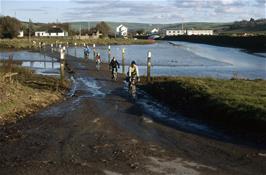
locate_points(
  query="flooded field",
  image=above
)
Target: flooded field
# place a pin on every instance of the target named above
(41, 63)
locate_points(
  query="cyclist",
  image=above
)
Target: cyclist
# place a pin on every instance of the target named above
(114, 65)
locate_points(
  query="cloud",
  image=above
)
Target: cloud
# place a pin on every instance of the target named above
(146, 11)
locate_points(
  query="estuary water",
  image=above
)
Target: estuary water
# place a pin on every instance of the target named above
(168, 59)
(188, 59)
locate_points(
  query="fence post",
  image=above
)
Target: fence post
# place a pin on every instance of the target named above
(109, 54)
(62, 65)
(123, 60)
(94, 51)
(149, 66)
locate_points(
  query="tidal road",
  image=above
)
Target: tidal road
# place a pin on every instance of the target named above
(97, 129)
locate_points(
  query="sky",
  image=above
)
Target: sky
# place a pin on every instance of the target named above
(143, 11)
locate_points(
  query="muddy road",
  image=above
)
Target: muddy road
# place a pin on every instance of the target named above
(97, 129)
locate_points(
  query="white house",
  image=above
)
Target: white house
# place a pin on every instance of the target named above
(199, 32)
(53, 32)
(41, 33)
(21, 34)
(121, 30)
(175, 32)
(154, 31)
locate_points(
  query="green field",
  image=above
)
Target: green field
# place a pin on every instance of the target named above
(24, 43)
(235, 103)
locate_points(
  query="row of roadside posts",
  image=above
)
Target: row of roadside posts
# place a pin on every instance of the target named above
(123, 59)
(63, 51)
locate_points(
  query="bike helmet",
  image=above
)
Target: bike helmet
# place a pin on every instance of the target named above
(133, 62)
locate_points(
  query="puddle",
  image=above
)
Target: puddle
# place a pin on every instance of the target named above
(92, 87)
(164, 115)
(177, 166)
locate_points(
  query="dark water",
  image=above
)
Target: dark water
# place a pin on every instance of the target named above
(189, 59)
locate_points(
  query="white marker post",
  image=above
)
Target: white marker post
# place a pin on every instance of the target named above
(109, 54)
(149, 66)
(62, 64)
(123, 60)
(94, 51)
(75, 49)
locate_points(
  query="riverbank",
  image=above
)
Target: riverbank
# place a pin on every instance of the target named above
(249, 43)
(24, 43)
(236, 104)
(25, 93)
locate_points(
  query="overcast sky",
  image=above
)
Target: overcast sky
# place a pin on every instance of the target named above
(145, 11)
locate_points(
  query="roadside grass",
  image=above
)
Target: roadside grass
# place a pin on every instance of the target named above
(25, 44)
(26, 92)
(236, 103)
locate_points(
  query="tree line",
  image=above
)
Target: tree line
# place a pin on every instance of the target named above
(10, 27)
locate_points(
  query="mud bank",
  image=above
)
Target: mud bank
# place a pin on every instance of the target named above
(251, 43)
(236, 104)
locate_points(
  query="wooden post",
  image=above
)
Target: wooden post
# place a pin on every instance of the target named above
(109, 54)
(149, 66)
(75, 49)
(67, 45)
(44, 55)
(94, 51)
(44, 46)
(123, 60)
(40, 47)
(62, 65)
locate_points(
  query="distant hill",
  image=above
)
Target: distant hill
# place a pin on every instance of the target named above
(113, 25)
(251, 26)
(148, 27)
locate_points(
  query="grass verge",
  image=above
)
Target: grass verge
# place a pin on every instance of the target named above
(25, 93)
(238, 104)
